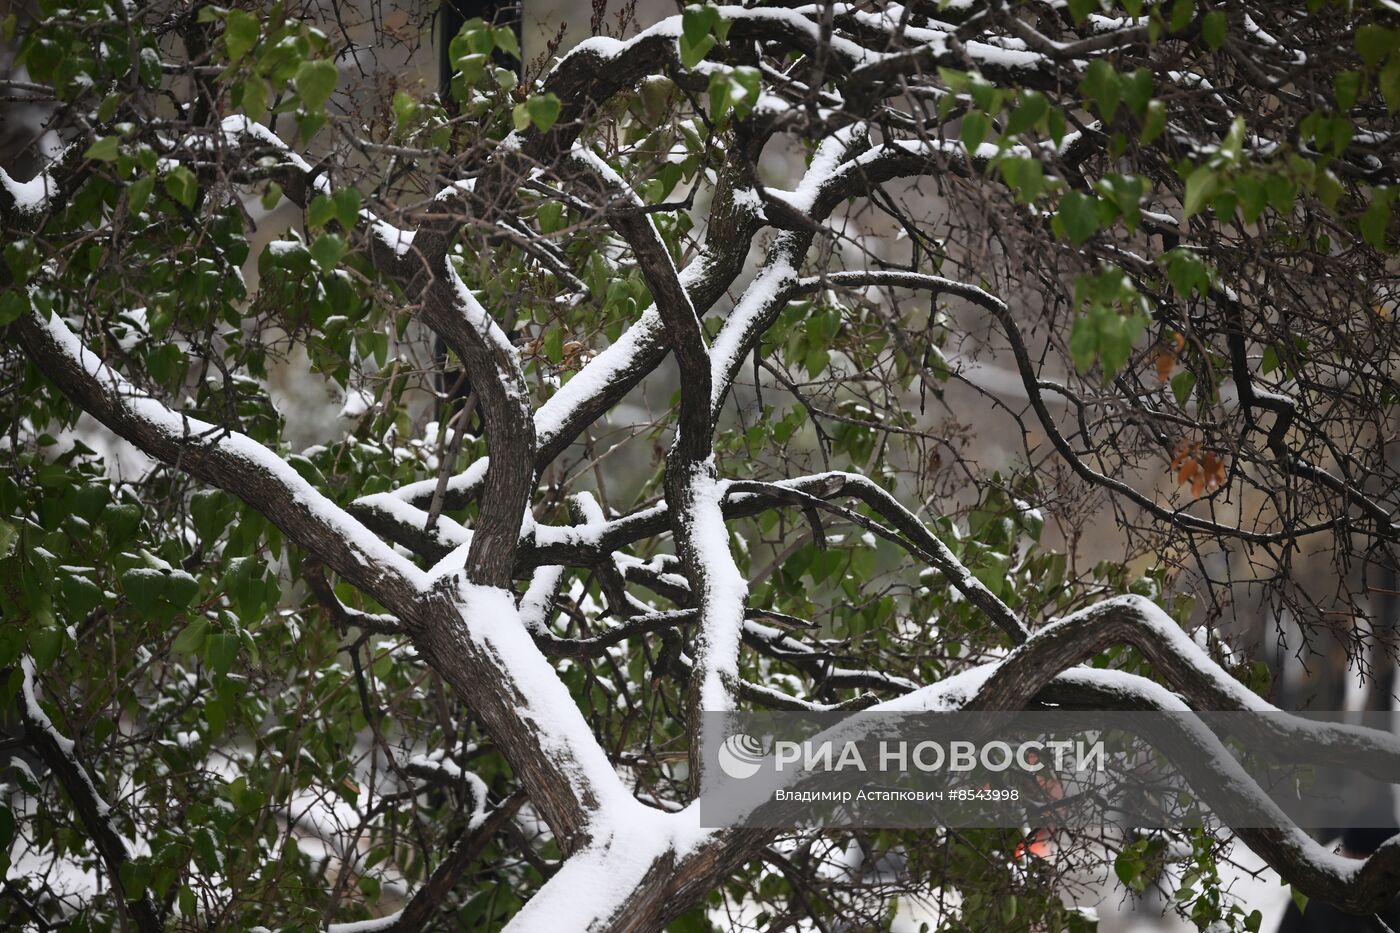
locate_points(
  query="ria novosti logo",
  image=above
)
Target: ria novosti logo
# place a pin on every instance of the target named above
(740, 756)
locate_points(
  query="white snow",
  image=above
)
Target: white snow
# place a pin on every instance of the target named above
(493, 623)
(36, 712)
(31, 196)
(385, 922)
(725, 591)
(597, 880)
(66, 746)
(486, 327)
(237, 126)
(357, 402)
(757, 304)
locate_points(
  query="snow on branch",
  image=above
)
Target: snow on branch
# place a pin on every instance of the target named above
(227, 459)
(493, 365)
(58, 752)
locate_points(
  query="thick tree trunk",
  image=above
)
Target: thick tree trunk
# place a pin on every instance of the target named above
(650, 868)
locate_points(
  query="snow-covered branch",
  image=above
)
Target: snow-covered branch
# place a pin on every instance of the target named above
(58, 752)
(222, 457)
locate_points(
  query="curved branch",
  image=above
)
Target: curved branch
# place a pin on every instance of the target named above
(56, 750)
(420, 909)
(226, 459)
(1026, 369)
(493, 366)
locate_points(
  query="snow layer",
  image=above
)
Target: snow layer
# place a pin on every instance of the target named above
(183, 429)
(31, 197)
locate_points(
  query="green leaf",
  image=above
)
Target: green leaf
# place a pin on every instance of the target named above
(1375, 221)
(1101, 85)
(327, 249)
(320, 211)
(693, 54)
(143, 588)
(974, 129)
(315, 82)
(9, 535)
(1201, 186)
(44, 645)
(1117, 334)
(240, 34)
(1078, 217)
(1329, 189)
(1154, 122)
(1281, 190)
(1374, 42)
(210, 510)
(698, 22)
(13, 303)
(505, 40)
(1080, 9)
(1055, 122)
(1031, 111)
(1253, 198)
(206, 853)
(180, 589)
(139, 193)
(190, 641)
(405, 110)
(474, 38)
(216, 714)
(12, 639)
(1389, 82)
(1025, 176)
(251, 95)
(122, 521)
(1183, 383)
(347, 207)
(1186, 272)
(1124, 192)
(543, 110)
(1182, 13)
(1128, 866)
(699, 25)
(748, 85)
(550, 217)
(309, 123)
(1084, 344)
(135, 875)
(1137, 91)
(220, 651)
(1346, 86)
(181, 185)
(721, 97)
(104, 150)
(1213, 28)
(80, 595)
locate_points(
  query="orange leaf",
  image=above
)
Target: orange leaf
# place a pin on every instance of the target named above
(1166, 362)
